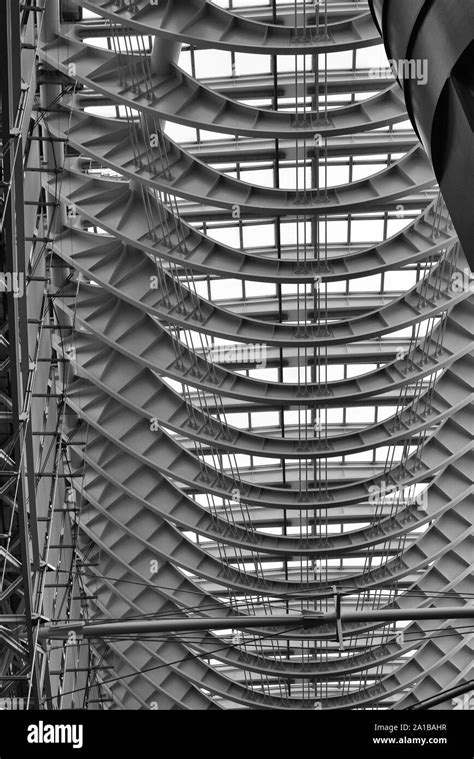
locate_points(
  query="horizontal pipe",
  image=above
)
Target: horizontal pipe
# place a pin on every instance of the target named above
(446, 695)
(305, 620)
(12, 619)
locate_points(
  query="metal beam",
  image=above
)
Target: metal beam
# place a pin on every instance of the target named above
(441, 698)
(306, 620)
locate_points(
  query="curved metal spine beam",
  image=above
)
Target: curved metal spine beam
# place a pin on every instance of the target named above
(452, 392)
(177, 172)
(119, 210)
(203, 24)
(171, 545)
(249, 661)
(371, 658)
(163, 495)
(185, 467)
(167, 407)
(176, 588)
(441, 345)
(130, 467)
(174, 505)
(425, 359)
(172, 98)
(96, 310)
(156, 351)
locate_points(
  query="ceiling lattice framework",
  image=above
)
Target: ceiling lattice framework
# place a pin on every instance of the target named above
(271, 364)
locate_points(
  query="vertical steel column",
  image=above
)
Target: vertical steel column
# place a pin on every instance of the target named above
(15, 263)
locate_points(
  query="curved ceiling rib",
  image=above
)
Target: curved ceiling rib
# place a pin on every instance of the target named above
(182, 310)
(268, 353)
(114, 206)
(171, 169)
(414, 470)
(174, 505)
(172, 97)
(403, 677)
(202, 23)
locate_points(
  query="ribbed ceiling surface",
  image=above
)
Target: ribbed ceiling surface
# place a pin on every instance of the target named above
(271, 400)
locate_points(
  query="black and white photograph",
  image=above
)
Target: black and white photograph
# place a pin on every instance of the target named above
(236, 376)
